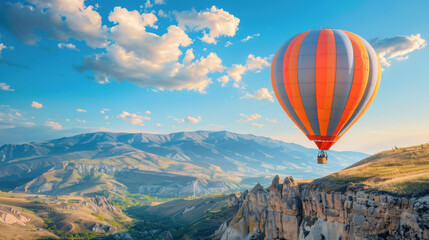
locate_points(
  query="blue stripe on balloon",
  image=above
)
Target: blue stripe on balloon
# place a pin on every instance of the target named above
(343, 78)
(307, 78)
(370, 87)
(278, 77)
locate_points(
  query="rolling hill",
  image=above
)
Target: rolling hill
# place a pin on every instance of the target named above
(400, 170)
(199, 162)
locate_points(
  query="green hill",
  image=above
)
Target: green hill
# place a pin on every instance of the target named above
(400, 170)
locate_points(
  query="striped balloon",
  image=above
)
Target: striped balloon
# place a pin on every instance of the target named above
(325, 80)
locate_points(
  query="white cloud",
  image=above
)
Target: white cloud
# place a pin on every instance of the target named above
(161, 13)
(106, 117)
(259, 125)
(55, 19)
(224, 80)
(36, 104)
(81, 121)
(18, 114)
(67, 120)
(159, 125)
(67, 45)
(148, 4)
(260, 94)
(250, 37)
(104, 110)
(236, 71)
(6, 87)
(217, 21)
(54, 125)
(188, 119)
(397, 47)
(29, 124)
(2, 46)
(179, 120)
(133, 118)
(245, 118)
(271, 120)
(256, 63)
(193, 120)
(228, 43)
(148, 112)
(80, 110)
(147, 59)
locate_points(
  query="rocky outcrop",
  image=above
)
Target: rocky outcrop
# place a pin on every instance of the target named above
(103, 228)
(250, 219)
(293, 211)
(100, 202)
(9, 216)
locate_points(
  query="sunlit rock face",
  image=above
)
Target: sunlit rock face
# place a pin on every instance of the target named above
(292, 211)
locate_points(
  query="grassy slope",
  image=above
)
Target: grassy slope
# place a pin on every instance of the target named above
(48, 214)
(401, 170)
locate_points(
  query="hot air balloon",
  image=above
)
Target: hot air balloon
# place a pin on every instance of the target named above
(325, 80)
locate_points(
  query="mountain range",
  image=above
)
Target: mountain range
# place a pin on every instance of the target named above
(193, 163)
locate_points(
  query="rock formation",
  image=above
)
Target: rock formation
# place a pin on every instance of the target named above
(291, 211)
(9, 216)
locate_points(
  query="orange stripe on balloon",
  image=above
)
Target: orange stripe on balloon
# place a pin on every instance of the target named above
(273, 82)
(326, 61)
(371, 99)
(290, 77)
(360, 80)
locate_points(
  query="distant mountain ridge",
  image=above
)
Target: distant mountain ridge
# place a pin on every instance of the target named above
(208, 156)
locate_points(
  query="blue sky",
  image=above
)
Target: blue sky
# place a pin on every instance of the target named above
(165, 62)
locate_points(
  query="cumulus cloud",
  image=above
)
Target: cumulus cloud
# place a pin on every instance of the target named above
(224, 80)
(80, 110)
(159, 125)
(6, 87)
(256, 63)
(67, 45)
(193, 120)
(188, 119)
(245, 118)
(250, 37)
(217, 21)
(397, 48)
(148, 112)
(236, 71)
(147, 59)
(133, 118)
(106, 117)
(36, 104)
(55, 19)
(18, 114)
(54, 125)
(260, 94)
(228, 43)
(81, 121)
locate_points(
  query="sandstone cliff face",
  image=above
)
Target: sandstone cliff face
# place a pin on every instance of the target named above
(306, 212)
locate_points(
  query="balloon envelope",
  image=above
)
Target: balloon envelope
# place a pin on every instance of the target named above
(325, 79)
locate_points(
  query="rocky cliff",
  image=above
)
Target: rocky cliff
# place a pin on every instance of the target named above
(306, 211)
